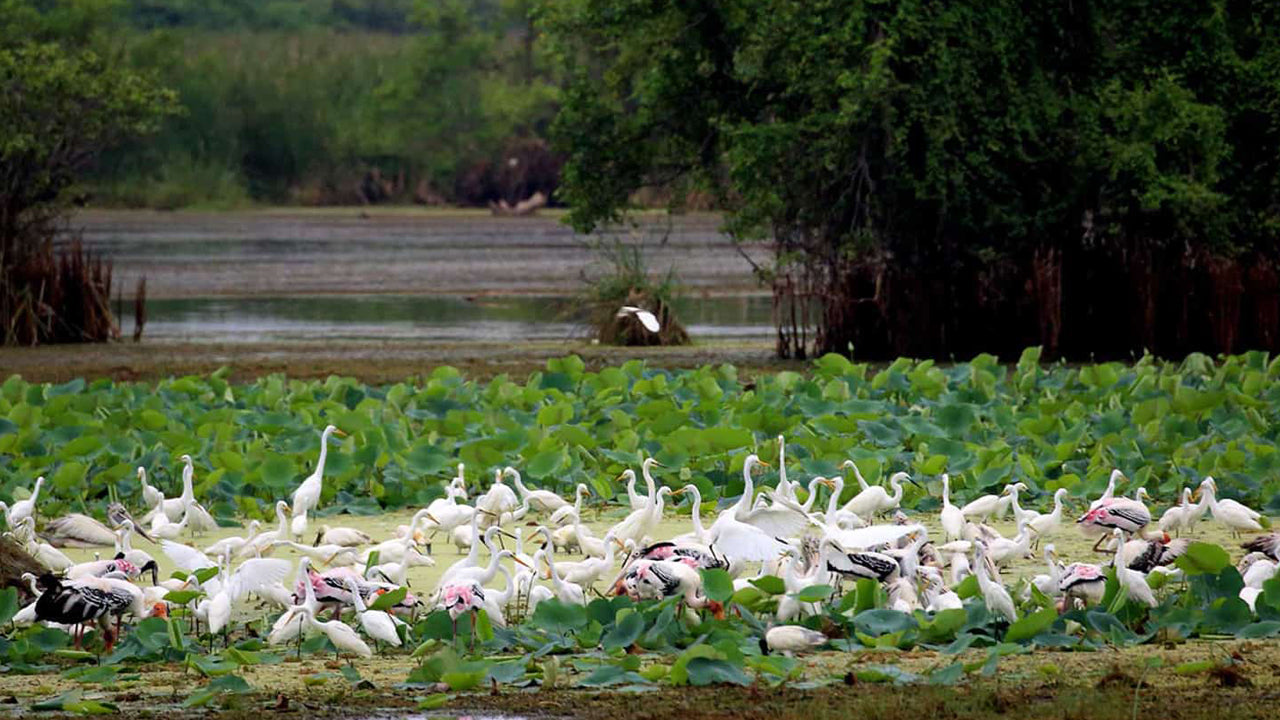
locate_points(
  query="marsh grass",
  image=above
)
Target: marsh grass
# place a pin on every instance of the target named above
(628, 280)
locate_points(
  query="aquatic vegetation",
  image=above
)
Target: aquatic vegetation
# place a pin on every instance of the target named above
(1164, 424)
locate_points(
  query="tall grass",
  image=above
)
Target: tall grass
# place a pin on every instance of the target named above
(627, 280)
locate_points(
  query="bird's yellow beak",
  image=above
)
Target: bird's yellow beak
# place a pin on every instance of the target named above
(677, 492)
(513, 557)
(829, 483)
(339, 433)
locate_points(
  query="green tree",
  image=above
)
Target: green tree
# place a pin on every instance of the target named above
(58, 110)
(954, 177)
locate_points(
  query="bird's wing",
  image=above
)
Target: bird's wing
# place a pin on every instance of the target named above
(781, 519)
(255, 574)
(872, 536)
(185, 556)
(745, 543)
(649, 321)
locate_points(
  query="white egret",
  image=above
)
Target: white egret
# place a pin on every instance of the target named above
(646, 318)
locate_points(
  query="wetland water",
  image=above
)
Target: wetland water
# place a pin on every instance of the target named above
(451, 276)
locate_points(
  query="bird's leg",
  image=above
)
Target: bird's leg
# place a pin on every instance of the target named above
(1099, 544)
(473, 632)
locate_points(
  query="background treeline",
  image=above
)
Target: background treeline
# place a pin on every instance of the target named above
(1098, 177)
(319, 101)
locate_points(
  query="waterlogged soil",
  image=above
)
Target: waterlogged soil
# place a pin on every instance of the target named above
(368, 361)
(1102, 684)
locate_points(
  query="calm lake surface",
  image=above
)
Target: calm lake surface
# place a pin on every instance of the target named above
(452, 276)
(419, 317)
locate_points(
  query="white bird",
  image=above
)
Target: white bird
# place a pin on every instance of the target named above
(293, 622)
(44, 553)
(1178, 517)
(699, 535)
(1049, 583)
(200, 519)
(640, 523)
(18, 512)
(232, 544)
(262, 543)
(345, 536)
(744, 533)
(1236, 516)
(1110, 492)
(124, 544)
(952, 516)
(173, 508)
(1048, 523)
(875, 500)
(331, 555)
(377, 624)
(342, 635)
(500, 499)
(789, 639)
(565, 591)
(162, 528)
(76, 530)
(1003, 551)
(646, 318)
(307, 496)
(981, 508)
(254, 576)
(543, 501)
(563, 515)
(994, 595)
(150, 496)
(587, 572)
(1132, 583)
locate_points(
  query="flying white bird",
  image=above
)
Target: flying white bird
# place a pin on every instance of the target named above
(646, 318)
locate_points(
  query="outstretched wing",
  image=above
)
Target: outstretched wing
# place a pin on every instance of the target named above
(256, 574)
(186, 557)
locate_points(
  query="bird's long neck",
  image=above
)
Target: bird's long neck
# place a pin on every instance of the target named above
(946, 490)
(519, 483)
(833, 502)
(324, 453)
(748, 488)
(895, 484)
(1057, 506)
(188, 489)
(282, 520)
(649, 482)
(35, 494)
(696, 513)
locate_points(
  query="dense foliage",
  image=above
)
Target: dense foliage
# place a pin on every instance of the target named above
(977, 176)
(1166, 425)
(321, 101)
(59, 110)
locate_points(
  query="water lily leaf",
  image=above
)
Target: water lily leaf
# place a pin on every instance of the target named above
(625, 631)
(1203, 558)
(8, 604)
(770, 584)
(815, 593)
(389, 599)
(717, 584)
(1028, 626)
(709, 671)
(555, 616)
(463, 681)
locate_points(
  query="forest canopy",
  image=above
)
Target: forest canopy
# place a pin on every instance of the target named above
(1095, 177)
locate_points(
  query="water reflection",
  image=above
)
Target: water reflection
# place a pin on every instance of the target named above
(444, 318)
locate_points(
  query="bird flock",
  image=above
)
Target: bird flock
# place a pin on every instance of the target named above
(782, 531)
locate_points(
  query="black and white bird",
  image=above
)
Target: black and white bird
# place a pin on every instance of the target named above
(92, 600)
